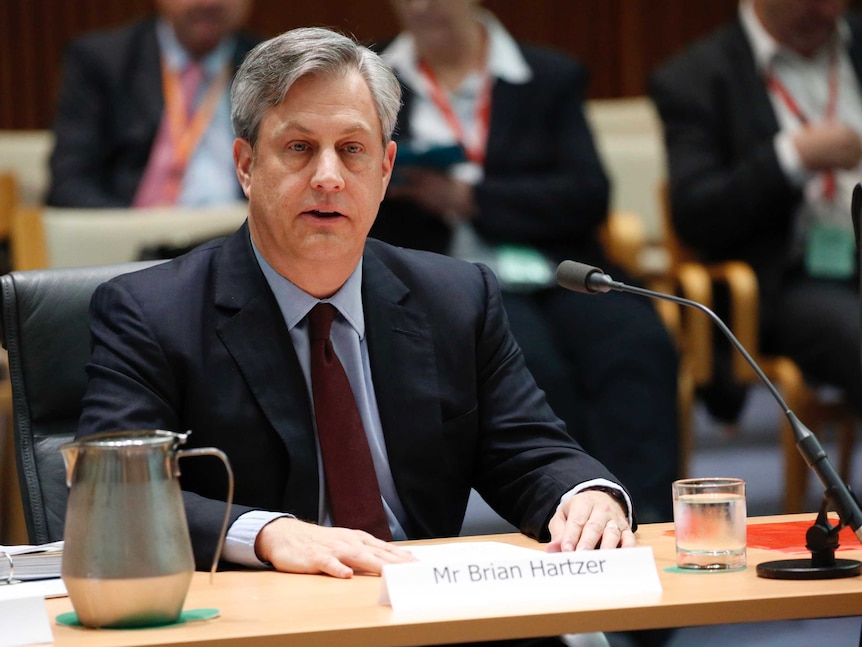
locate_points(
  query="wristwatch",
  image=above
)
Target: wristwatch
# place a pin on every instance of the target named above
(614, 493)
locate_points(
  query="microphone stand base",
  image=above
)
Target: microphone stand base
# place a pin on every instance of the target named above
(822, 540)
(804, 569)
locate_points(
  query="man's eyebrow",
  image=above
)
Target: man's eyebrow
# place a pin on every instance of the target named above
(296, 126)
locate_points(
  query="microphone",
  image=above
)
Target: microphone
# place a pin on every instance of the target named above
(822, 538)
(580, 277)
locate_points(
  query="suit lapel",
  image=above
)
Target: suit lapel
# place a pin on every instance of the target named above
(751, 83)
(254, 333)
(147, 80)
(400, 345)
(509, 107)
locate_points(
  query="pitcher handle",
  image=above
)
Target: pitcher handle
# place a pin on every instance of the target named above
(212, 451)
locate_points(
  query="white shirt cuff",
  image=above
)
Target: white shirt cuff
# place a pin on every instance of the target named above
(239, 543)
(586, 485)
(789, 160)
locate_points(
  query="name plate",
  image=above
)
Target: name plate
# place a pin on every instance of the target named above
(487, 574)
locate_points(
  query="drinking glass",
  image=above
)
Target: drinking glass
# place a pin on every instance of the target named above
(709, 523)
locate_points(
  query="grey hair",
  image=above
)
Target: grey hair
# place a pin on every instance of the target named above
(271, 68)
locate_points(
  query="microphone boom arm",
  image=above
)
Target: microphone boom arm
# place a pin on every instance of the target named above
(587, 279)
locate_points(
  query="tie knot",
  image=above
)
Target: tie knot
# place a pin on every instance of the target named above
(320, 320)
(193, 72)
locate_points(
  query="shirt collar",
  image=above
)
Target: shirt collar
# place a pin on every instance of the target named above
(177, 57)
(505, 60)
(764, 46)
(295, 303)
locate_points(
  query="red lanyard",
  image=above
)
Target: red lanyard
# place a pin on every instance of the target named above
(476, 152)
(781, 91)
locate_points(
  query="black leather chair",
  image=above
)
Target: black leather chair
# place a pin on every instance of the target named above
(45, 329)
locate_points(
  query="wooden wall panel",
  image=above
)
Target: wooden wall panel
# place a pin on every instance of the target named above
(620, 41)
(587, 29)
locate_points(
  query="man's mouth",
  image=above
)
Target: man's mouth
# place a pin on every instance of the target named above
(324, 214)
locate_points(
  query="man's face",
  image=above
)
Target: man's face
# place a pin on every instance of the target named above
(316, 177)
(432, 21)
(201, 24)
(802, 25)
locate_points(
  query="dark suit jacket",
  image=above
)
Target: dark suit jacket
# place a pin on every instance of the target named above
(199, 343)
(544, 184)
(108, 114)
(730, 198)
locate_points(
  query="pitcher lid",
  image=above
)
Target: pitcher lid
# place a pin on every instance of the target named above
(135, 438)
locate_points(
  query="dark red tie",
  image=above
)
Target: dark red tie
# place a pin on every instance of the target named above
(354, 494)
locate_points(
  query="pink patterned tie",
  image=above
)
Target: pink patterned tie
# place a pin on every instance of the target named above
(190, 80)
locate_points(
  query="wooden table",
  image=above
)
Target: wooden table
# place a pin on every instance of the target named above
(269, 609)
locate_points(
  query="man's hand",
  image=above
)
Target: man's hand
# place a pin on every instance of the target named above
(827, 146)
(589, 519)
(294, 546)
(443, 195)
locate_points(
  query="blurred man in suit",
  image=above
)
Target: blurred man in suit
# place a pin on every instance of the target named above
(762, 123)
(143, 117)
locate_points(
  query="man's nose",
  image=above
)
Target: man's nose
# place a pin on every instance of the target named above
(327, 172)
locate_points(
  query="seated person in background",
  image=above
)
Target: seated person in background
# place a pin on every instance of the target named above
(143, 117)
(762, 124)
(232, 341)
(528, 192)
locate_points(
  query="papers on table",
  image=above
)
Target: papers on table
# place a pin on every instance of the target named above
(52, 588)
(26, 563)
(28, 575)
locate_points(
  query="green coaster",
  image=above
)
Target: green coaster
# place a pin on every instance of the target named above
(70, 619)
(712, 571)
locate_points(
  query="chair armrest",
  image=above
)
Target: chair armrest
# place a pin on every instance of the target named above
(623, 237)
(744, 315)
(694, 282)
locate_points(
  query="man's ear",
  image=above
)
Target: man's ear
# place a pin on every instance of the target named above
(388, 163)
(243, 157)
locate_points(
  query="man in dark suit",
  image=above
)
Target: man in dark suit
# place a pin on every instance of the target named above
(528, 192)
(112, 129)
(218, 342)
(762, 123)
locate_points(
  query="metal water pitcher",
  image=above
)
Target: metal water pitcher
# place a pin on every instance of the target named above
(127, 556)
